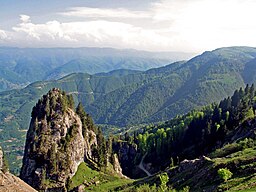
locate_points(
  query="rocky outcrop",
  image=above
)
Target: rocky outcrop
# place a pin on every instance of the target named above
(9, 182)
(116, 165)
(58, 140)
(92, 141)
(55, 145)
(126, 155)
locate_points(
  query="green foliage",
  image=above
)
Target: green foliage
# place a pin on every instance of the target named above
(86, 175)
(70, 101)
(225, 174)
(164, 180)
(5, 166)
(199, 132)
(146, 188)
(102, 150)
(140, 97)
(84, 172)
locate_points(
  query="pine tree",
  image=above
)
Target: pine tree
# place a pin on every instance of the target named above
(235, 99)
(102, 152)
(71, 102)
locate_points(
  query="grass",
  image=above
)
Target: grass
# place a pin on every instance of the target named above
(249, 190)
(110, 183)
(83, 173)
(96, 180)
(243, 155)
(240, 183)
(242, 164)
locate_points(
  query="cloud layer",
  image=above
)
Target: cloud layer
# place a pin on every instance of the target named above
(167, 25)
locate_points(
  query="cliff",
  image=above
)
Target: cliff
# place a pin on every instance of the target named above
(58, 141)
(9, 182)
(55, 145)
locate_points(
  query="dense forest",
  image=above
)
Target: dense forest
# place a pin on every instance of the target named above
(197, 133)
(125, 98)
(225, 132)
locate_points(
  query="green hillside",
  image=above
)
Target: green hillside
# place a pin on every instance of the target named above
(212, 149)
(195, 148)
(130, 98)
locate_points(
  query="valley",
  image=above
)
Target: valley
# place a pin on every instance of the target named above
(194, 117)
(125, 98)
(128, 96)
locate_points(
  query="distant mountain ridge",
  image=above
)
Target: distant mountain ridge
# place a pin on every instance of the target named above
(125, 98)
(21, 66)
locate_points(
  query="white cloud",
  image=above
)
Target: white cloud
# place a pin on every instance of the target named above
(178, 25)
(89, 12)
(25, 18)
(207, 24)
(90, 33)
(3, 35)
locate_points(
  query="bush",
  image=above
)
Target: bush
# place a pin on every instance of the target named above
(164, 180)
(225, 174)
(146, 188)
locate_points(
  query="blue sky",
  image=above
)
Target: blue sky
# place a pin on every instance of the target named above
(155, 25)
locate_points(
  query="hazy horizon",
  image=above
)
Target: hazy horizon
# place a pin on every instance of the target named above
(150, 25)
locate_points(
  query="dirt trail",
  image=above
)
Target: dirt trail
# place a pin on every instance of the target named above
(142, 167)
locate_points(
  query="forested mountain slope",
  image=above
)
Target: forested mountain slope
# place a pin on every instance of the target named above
(127, 98)
(211, 149)
(21, 66)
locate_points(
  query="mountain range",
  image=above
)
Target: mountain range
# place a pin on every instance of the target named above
(211, 149)
(128, 97)
(21, 66)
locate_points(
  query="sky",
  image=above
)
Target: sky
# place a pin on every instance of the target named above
(152, 25)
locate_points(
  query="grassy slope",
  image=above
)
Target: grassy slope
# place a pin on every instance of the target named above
(96, 180)
(201, 174)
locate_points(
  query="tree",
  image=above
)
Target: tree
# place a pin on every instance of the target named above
(252, 91)
(102, 151)
(71, 102)
(5, 167)
(225, 174)
(235, 99)
(82, 114)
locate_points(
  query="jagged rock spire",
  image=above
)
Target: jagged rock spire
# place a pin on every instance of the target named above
(55, 145)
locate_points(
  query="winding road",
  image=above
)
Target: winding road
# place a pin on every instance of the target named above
(142, 167)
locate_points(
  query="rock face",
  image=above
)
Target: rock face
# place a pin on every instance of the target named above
(126, 155)
(116, 165)
(55, 145)
(9, 182)
(58, 140)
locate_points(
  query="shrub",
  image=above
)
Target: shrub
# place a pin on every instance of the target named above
(225, 174)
